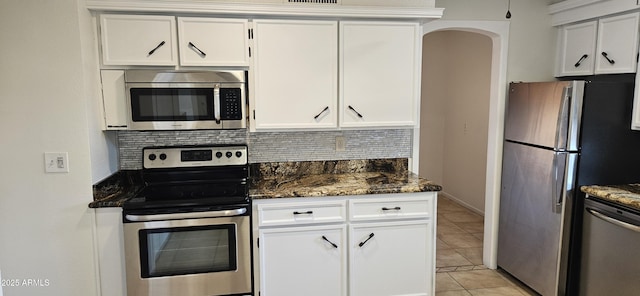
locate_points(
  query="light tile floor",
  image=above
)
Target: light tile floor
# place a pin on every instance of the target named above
(459, 269)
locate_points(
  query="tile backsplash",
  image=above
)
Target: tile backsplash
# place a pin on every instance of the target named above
(274, 146)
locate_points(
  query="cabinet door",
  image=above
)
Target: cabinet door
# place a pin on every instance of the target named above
(379, 252)
(617, 44)
(299, 261)
(109, 239)
(577, 49)
(295, 67)
(379, 71)
(114, 99)
(138, 40)
(213, 41)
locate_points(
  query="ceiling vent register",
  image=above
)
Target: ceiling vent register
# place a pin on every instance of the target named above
(314, 1)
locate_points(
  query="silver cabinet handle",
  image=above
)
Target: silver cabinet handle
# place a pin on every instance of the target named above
(613, 220)
(193, 215)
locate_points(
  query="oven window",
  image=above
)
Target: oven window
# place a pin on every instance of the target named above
(171, 104)
(187, 250)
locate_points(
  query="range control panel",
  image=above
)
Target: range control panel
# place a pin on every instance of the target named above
(178, 157)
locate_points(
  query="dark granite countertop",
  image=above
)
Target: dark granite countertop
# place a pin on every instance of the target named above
(335, 178)
(294, 179)
(114, 190)
(627, 195)
(341, 184)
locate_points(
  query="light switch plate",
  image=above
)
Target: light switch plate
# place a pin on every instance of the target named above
(56, 162)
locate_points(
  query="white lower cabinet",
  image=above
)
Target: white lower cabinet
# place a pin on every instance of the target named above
(304, 261)
(353, 245)
(379, 251)
(109, 239)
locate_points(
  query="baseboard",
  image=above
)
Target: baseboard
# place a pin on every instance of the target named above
(462, 203)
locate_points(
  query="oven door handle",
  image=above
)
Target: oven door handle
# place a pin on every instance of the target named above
(193, 215)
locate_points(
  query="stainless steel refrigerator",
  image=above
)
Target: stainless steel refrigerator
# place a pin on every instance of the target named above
(559, 136)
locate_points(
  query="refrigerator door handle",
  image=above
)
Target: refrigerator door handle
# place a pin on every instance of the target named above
(564, 177)
(562, 132)
(558, 179)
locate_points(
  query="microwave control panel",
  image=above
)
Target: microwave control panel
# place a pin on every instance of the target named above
(230, 103)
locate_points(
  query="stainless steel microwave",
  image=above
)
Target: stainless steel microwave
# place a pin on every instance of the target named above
(185, 100)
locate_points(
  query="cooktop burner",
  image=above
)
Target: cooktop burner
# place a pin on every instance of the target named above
(194, 176)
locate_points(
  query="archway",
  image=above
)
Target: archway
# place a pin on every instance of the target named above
(498, 31)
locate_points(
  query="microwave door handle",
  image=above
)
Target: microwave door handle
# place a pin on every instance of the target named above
(216, 103)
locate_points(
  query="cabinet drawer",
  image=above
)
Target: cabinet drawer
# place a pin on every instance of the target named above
(301, 213)
(392, 208)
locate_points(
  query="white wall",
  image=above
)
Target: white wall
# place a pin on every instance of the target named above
(104, 150)
(532, 39)
(455, 106)
(45, 225)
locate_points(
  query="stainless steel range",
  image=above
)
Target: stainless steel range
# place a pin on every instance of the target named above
(188, 231)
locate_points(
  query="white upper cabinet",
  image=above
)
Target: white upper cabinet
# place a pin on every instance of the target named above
(606, 46)
(300, 85)
(138, 40)
(295, 66)
(617, 44)
(114, 99)
(149, 40)
(577, 48)
(379, 71)
(213, 41)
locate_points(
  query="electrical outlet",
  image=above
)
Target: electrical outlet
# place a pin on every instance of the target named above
(341, 143)
(56, 162)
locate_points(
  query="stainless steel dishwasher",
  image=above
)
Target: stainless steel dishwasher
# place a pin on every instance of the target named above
(610, 263)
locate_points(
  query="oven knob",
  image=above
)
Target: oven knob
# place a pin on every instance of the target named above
(229, 154)
(163, 156)
(218, 154)
(238, 153)
(152, 157)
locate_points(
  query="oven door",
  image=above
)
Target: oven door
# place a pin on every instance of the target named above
(188, 254)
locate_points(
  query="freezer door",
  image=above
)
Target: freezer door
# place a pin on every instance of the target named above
(530, 225)
(545, 114)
